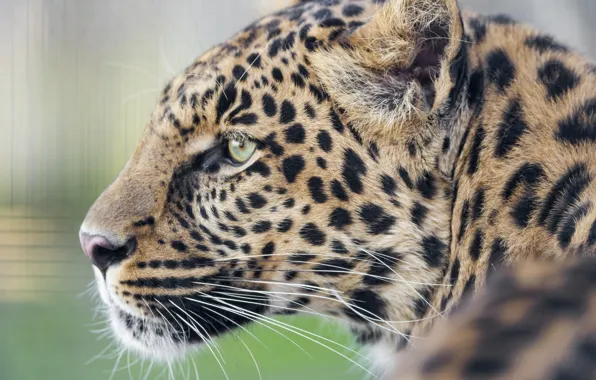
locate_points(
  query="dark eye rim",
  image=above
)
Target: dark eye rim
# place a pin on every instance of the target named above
(216, 156)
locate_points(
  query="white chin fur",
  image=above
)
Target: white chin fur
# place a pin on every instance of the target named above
(147, 343)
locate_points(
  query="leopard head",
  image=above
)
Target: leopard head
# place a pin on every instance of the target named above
(301, 166)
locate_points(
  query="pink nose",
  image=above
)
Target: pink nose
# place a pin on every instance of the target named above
(103, 253)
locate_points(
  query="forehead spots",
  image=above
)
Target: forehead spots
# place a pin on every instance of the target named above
(241, 206)
(405, 177)
(569, 226)
(418, 212)
(277, 75)
(287, 113)
(239, 73)
(317, 93)
(254, 60)
(269, 105)
(295, 134)
(225, 101)
(268, 249)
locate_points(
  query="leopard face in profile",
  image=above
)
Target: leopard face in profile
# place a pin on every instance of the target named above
(366, 160)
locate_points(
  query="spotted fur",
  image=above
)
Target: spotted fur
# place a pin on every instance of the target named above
(404, 151)
(531, 321)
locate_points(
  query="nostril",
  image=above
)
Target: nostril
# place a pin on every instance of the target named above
(104, 253)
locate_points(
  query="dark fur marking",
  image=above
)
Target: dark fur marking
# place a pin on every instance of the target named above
(497, 254)
(523, 209)
(557, 79)
(527, 175)
(579, 127)
(569, 225)
(563, 194)
(477, 245)
(317, 190)
(292, 166)
(340, 218)
(312, 234)
(376, 218)
(545, 44)
(418, 212)
(433, 251)
(511, 129)
(500, 69)
(476, 150)
(352, 170)
(374, 306)
(333, 267)
(478, 204)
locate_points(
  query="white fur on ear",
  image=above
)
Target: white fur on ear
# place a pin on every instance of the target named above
(393, 73)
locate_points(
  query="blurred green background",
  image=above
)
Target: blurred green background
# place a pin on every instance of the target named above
(78, 80)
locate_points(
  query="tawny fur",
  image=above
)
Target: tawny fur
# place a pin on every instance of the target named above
(392, 129)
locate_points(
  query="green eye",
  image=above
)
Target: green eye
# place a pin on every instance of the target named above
(241, 151)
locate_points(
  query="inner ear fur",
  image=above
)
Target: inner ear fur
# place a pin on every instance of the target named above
(393, 75)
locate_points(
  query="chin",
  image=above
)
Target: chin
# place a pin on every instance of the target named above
(151, 339)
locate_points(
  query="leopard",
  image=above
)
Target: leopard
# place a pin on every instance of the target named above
(535, 320)
(370, 161)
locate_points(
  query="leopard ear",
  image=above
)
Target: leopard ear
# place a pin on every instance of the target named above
(398, 71)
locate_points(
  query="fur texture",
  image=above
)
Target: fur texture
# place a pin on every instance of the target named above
(403, 151)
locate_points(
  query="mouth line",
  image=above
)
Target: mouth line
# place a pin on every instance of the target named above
(182, 321)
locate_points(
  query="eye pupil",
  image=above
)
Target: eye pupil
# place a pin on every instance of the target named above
(241, 151)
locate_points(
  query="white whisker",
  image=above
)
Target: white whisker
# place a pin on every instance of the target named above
(253, 359)
(294, 328)
(255, 320)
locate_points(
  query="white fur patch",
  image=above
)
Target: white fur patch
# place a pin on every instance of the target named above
(384, 358)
